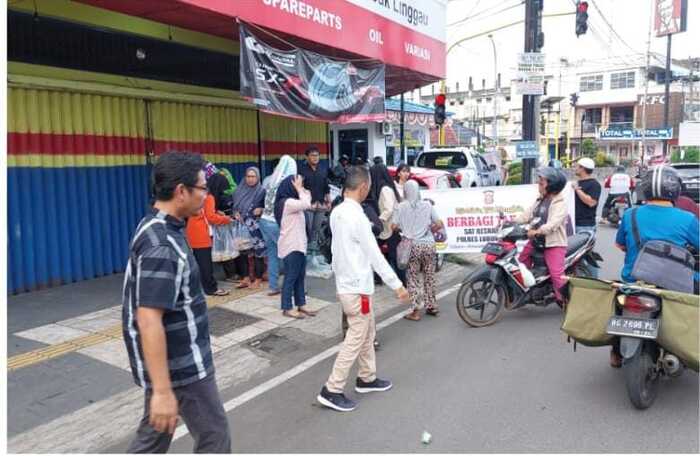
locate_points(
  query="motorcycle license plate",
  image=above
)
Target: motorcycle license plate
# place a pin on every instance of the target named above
(636, 327)
(492, 248)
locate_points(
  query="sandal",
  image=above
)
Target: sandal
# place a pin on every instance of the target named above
(413, 316)
(221, 292)
(433, 312)
(297, 316)
(310, 313)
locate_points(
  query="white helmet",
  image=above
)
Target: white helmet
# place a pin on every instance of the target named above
(587, 163)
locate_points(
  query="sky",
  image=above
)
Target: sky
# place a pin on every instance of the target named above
(599, 47)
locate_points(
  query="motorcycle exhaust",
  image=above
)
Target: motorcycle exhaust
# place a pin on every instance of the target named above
(671, 364)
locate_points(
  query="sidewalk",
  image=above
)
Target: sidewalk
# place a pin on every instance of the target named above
(69, 384)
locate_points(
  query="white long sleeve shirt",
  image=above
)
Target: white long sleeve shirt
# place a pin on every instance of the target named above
(356, 253)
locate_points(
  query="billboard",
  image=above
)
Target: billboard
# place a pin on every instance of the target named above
(304, 84)
(670, 16)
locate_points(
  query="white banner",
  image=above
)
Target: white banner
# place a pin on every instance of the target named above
(470, 215)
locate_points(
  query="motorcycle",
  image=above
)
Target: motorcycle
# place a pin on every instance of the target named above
(618, 208)
(505, 283)
(636, 322)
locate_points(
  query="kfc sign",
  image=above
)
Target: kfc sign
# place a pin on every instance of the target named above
(670, 16)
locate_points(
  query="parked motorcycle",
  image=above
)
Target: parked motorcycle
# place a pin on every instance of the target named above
(636, 322)
(505, 283)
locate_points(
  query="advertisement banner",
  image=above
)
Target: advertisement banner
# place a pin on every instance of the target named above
(670, 16)
(471, 215)
(530, 75)
(304, 84)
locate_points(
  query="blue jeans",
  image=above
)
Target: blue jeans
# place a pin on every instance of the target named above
(293, 285)
(271, 234)
(595, 272)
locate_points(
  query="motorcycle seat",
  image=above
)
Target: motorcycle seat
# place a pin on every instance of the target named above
(577, 241)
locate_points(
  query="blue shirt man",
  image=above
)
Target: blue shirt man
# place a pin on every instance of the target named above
(658, 221)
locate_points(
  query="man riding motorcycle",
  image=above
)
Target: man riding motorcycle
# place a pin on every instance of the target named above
(620, 184)
(550, 233)
(659, 220)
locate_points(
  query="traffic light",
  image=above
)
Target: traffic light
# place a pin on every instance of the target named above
(574, 99)
(439, 109)
(581, 18)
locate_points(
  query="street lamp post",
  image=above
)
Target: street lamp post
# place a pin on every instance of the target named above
(495, 94)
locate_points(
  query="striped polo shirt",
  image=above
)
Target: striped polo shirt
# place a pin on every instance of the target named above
(162, 273)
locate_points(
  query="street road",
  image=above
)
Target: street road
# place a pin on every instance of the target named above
(517, 386)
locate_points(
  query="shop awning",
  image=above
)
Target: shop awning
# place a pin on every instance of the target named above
(410, 41)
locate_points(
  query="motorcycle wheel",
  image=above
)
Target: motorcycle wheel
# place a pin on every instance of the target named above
(640, 379)
(613, 218)
(477, 296)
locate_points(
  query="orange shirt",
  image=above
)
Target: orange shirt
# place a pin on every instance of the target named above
(198, 225)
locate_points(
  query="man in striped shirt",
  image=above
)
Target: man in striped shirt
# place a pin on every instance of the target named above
(165, 322)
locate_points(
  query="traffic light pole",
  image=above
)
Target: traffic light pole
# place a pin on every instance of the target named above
(667, 81)
(533, 22)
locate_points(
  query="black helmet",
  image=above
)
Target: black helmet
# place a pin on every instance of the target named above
(556, 179)
(662, 183)
(620, 169)
(344, 158)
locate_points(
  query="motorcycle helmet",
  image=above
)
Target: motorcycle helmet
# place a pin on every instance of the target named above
(587, 163)
(620, 169)
(662, 183)
(556, 179)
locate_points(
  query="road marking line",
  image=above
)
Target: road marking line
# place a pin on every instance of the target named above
(304, 366)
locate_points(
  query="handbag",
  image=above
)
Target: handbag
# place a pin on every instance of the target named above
(662, 263)
(223, 245)
(403, 252)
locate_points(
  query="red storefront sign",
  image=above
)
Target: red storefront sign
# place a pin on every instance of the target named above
(670, 16)
(404, 33)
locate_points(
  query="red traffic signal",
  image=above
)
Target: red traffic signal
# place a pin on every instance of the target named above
(582, 7)
(440, 99)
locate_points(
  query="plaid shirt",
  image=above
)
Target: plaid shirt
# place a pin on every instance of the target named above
(162, 273)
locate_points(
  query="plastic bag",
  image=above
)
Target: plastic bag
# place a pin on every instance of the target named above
(403, 253)
(242, 238)
(223, 246)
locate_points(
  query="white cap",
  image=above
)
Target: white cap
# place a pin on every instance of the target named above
(587, 163)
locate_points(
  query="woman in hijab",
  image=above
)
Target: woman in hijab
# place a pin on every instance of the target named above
(415, 218)
(268, 225)
(291, 201)
(385, 193)
(248, 204)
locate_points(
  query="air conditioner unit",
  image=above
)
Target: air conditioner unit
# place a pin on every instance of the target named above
(386, 128)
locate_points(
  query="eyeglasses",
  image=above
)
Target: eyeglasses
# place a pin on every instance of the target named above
(202, 188)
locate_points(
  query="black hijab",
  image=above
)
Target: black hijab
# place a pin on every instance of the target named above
(217, 185)
(285, 191)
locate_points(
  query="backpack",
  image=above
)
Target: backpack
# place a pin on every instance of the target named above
(662, 263)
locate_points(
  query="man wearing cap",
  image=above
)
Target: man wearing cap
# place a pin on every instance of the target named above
(587, 190)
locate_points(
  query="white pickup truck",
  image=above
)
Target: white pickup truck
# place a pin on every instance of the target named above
(470, 168)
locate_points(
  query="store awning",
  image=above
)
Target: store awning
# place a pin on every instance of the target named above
(411, 42)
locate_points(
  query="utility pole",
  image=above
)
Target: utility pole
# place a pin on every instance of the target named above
(643, 142)
(495, 94)
(667, 92)
(533, 26)
(401, 132)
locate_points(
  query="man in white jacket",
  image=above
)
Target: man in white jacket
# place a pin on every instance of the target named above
(355, 255)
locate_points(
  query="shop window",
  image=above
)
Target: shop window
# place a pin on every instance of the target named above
(353, 143)
(622, 80)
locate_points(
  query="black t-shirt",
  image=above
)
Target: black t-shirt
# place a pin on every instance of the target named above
(315, 181)
(585, 215)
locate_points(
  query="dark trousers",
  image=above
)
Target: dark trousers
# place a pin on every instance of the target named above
(206, 269)
(393, 244)
(200, 407)
(243, 267)
(293, 285)
(613, 197)
(231, 269)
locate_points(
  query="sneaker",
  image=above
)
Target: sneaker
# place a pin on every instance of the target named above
(336, 401)
(376, 385)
